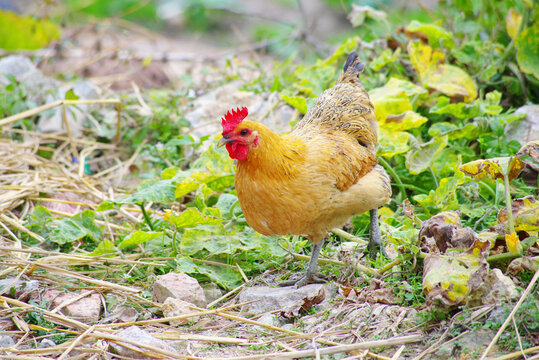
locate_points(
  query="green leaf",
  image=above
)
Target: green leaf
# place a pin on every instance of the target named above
(438, 36)
(185, 188)
(404, 121)
(528, 49)
(106, 205)
(393, 98)
(386, 57)
(459, 110)
(225, 203)
(297, 102)
(224, 276)
(159, 192)
(68, 230)
(359, 13)
(138, 237)
(192, 217)
(70, 95)
(38, 219)
(420, 156)
(344, 49)
(104, 247)
(22, 32)
(392, 143)
(444, 197)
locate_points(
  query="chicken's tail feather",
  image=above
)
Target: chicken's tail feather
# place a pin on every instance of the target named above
(353, 65)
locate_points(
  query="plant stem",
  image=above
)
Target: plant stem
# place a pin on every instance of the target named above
(434, 176)
(146, 216)
(347, 236)
(394, 175)
(508, 203)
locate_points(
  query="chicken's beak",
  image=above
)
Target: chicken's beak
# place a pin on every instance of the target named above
(225, 140)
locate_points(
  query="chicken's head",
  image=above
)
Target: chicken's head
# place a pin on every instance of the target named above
(237, 136)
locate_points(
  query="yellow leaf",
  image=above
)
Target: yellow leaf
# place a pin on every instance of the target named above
(512, 22)
(166, 215)
(404, 121)
(394, 98)
(391, 105)
(392, 143)
(525, 214)
(513, 244)
(433, 73)
(494, 168)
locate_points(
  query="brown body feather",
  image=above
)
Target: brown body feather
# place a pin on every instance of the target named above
(319, 175)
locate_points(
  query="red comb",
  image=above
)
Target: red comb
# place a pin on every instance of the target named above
(232, 118)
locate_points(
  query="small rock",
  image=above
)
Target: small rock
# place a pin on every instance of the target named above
(179, 286)
(123, 314)
(526, 129)
(271, 298)
(36, 83)
(87, 309)
(212, 292)
(137, 335)
(46, 343)
(495, 289)
(19, 289)
(6, 341)
(468, 346)
(288, 327)
(269, 319)
(177, 307)
(499, 314)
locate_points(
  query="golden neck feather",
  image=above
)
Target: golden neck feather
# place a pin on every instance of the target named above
(275, 156)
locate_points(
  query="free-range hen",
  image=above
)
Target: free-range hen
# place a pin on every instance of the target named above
(317, 176)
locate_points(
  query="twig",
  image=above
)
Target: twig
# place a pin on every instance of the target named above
(398, 353)
(334, 349)
(513, 312)
(76, 342)
(83, 278)
(227, 295)
(348, 236)
(518, 354)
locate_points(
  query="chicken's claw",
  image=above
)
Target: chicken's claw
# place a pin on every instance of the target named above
(304, 280)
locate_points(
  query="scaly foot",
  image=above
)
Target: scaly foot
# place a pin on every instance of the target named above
(304, 280)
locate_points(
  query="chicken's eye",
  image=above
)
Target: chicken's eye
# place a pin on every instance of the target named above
(244, 132)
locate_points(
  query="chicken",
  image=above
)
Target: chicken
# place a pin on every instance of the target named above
(317, 176)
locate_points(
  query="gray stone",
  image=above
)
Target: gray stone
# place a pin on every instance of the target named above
(37, 84)
(269, 319)
(121, 313)
(87, 309)
(6, 341)
(278, 298)
(179, 286)
(212, 292)
(176, 307)
(137, 335)
(46, 343)
(526, 129)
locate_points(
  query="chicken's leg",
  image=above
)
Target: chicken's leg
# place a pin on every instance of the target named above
(310, 275)
(375, 239)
